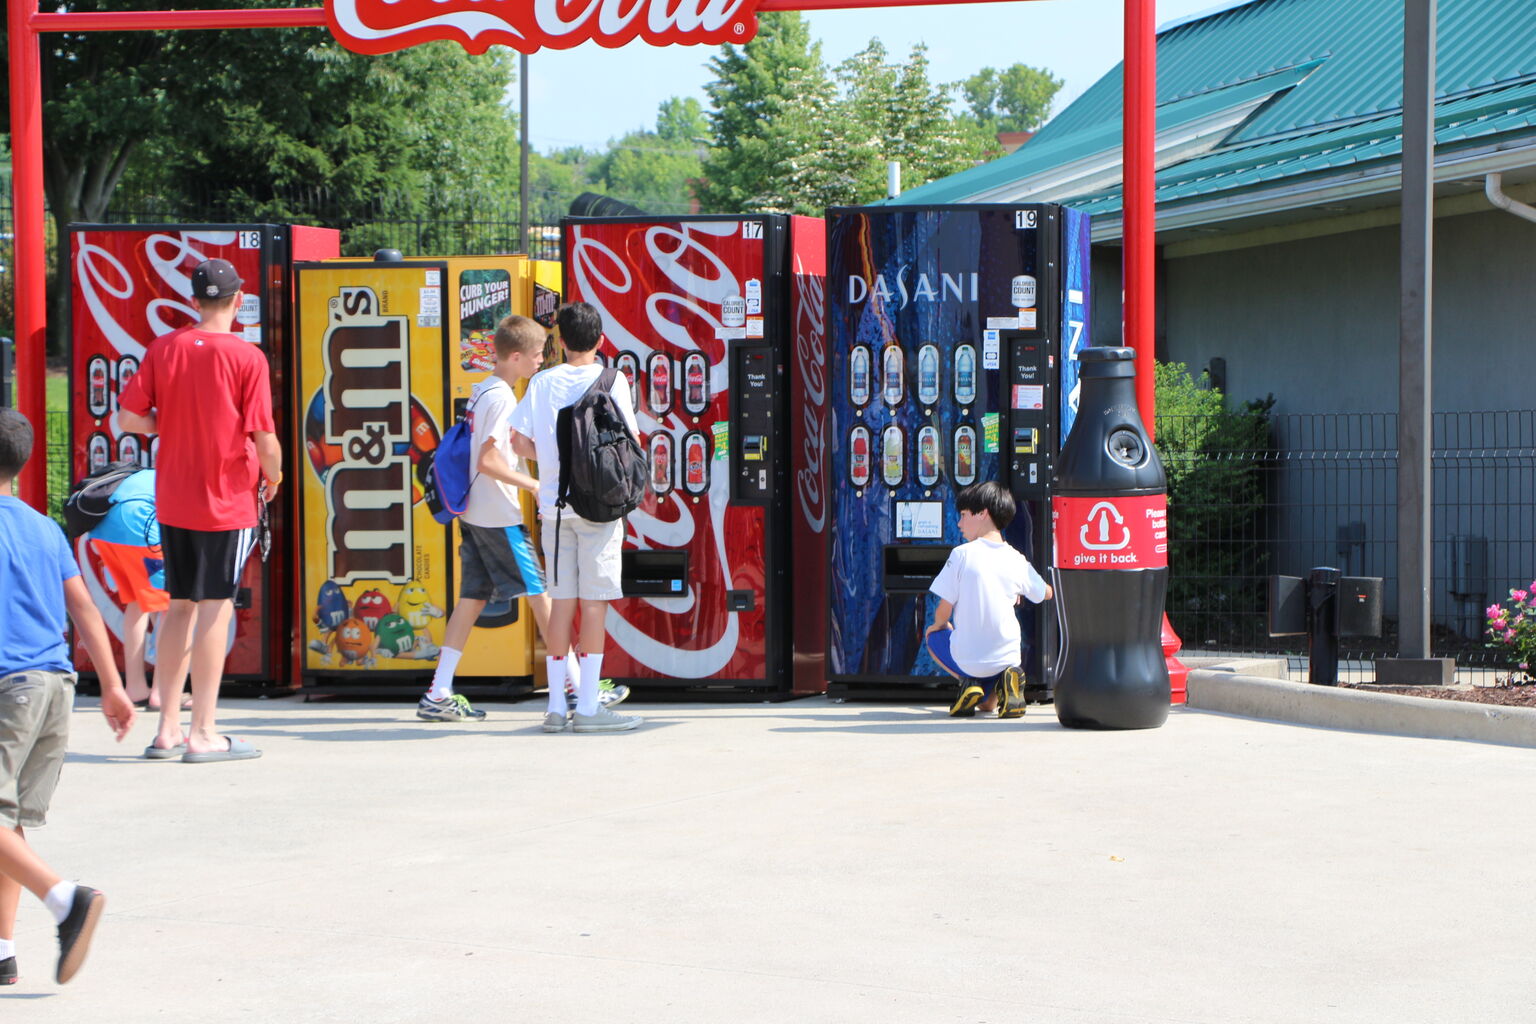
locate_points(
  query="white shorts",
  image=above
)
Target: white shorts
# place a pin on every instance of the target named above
(588, 565)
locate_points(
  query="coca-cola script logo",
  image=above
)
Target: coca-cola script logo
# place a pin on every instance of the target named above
(382, 26)
(811, 361)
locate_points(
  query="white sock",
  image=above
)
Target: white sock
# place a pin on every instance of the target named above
(442, 678)
(555, 669)
(59, 900)
(7, 948)
(587, 692)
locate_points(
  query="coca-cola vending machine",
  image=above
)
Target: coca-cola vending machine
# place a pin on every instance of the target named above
(952, 331)
(718, 324)
(129, 284)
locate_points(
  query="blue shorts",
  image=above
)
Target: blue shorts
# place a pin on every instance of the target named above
(938, 646)
(497, 563)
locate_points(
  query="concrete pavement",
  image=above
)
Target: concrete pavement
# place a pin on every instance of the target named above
(800, 862)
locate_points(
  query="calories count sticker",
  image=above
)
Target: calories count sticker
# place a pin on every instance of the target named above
(1111, 532)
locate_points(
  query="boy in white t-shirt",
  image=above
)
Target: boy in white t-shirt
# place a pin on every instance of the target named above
(975, 633)
(582, 557)
(496, 557)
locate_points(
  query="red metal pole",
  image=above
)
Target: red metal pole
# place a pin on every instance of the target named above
(30, 244)
(1139, 212)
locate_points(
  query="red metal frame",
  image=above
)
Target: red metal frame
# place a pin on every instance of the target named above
(25, 23)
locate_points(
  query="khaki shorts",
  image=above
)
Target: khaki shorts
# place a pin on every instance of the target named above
(34, 732)
(589, 562)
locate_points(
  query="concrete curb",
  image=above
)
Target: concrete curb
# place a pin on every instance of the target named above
(1358, 710)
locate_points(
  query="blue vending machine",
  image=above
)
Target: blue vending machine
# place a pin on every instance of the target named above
(952, 332)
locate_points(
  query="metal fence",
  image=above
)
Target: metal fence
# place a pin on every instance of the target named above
(1321, 490)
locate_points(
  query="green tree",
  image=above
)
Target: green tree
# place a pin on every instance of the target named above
(656, 170)
(1017, 99)
(882, 112)
(1215, 459)
(757, 98)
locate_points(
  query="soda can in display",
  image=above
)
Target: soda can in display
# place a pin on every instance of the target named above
(661, 462)
(629, 366)
(858, 375)
(695, 463)
(858, 455)
(895, 367)
(965, 455)
(128, 448)
(659, 369)
(1024, 291)
(928, 374)
(892, 470)
(98, 452)
(97, 400)
(965, 374)
(928, 456)
(126, 368)
(695, 382)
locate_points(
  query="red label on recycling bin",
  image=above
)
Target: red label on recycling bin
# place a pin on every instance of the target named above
(1111, 533)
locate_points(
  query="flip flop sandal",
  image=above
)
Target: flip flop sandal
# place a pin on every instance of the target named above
(239, 750)
(154, 753)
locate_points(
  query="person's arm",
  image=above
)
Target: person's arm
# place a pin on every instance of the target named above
(115, 704)
(494, 465)
(625, 401)
(941, 616)
(524, 447)
(134, 423)
(269, 452)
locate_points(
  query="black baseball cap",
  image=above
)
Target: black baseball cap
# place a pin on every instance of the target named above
(215, 279)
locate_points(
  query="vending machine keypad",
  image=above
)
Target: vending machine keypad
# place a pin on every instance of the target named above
(754, 382)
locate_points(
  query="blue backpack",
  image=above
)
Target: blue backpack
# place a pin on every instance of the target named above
(447, 476)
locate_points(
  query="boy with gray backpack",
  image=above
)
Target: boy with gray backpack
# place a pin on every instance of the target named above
(578, 422)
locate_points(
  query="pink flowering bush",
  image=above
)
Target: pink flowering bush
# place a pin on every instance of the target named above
(1512, 628)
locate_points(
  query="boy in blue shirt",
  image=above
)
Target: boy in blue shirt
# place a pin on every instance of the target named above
(39, 583)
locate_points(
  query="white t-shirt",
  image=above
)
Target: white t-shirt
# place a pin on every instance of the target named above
(982, 579)
(491, 502)
(548, 392)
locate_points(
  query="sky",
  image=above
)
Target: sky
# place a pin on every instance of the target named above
(589, 95)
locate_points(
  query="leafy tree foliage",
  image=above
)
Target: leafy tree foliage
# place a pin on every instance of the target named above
(1016, 99)
(656, 170)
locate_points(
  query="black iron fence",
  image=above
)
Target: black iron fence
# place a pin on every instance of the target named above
(1321, 490)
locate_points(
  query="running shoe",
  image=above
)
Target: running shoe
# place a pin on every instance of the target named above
(1011, 703)
(8, 971)
(608, 694)
(455, 708)
(76, 929)
(604, 720)
(965, 703)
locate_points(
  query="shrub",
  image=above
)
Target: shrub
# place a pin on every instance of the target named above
(1512, 629)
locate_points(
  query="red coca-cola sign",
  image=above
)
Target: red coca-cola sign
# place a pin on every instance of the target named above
(1111, 532)
(382, 26)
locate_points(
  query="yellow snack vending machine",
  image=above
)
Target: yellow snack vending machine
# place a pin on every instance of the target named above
(383, 351)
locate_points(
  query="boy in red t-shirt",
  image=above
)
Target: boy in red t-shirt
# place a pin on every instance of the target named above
(208, 394)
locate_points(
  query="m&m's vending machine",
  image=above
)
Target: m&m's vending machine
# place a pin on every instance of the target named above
(388, 351)
(718, 324)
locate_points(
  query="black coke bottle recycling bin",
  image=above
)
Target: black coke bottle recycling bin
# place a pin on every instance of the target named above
(1110, 516)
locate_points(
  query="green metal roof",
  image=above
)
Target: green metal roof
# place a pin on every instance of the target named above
(1311, 85)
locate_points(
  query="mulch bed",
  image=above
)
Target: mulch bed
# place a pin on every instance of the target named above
(1510, 695)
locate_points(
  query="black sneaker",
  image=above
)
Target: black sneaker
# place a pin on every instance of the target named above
(76, 930)
(8, 971)
(965, 703)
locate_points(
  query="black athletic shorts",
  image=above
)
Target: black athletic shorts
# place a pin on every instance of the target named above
(204, 565)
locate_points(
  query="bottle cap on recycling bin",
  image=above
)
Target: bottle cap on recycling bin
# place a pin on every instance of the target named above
(1107, 361)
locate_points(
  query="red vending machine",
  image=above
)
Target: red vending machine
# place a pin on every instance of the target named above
(718, 324)
(129, 284)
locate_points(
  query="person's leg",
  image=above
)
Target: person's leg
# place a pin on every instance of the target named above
(991, 689)
(539, 605)
(171, 673)
(135, 628)
(23, 869)
(594, 634)
(970, 692)
(210, 634)
(455, 636)
(176, 667)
